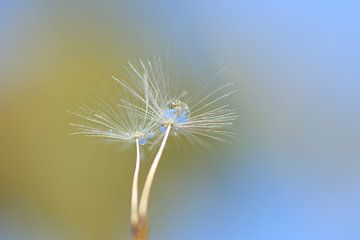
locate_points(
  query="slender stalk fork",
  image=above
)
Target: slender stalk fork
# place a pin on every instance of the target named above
(143, 205)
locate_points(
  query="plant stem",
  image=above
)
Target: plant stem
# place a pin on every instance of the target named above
(143, 205)
(134, 192)
(139, 231)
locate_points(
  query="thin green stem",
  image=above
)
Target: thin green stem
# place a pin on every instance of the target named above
(143, 205)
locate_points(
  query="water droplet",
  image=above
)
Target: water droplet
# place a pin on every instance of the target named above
(181, 109)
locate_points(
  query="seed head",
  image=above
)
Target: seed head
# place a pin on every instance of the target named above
(145, 107)
(203, 116)
(119, 117)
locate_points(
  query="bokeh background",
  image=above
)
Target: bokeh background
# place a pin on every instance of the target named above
(293, 173)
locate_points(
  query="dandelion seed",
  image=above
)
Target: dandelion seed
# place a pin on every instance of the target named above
(205, 118)
(152, 109)
(115, 119)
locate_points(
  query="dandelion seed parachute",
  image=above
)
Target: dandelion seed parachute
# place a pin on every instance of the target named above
(197, 119)
(147, 108)
(200, 118)
(114, 119)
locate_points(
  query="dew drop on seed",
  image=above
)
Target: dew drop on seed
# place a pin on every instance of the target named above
(182, 109)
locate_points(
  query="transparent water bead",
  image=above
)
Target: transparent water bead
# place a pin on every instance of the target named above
(177, 113)
(180, 107)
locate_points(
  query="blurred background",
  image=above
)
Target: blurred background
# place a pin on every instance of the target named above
(293, 173)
